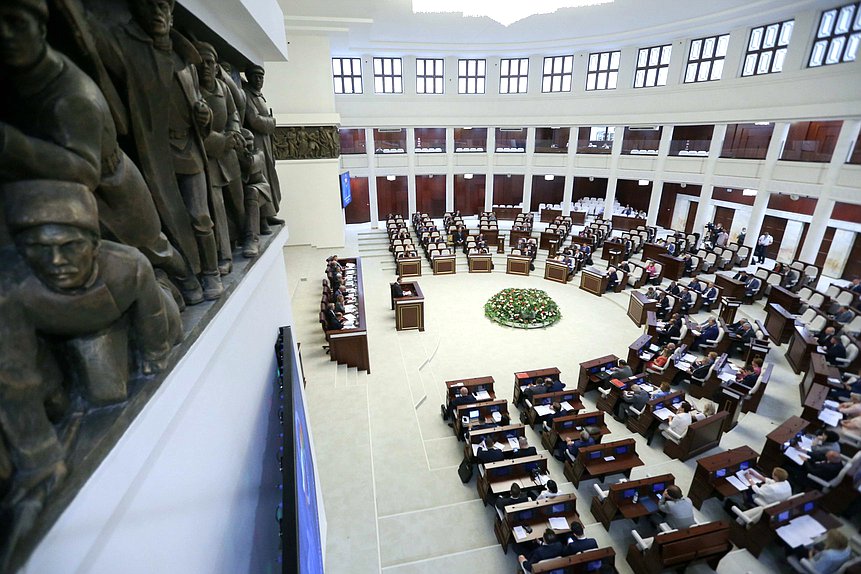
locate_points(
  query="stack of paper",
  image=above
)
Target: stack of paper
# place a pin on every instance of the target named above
(558, 523)
(805, 442)
(512, 442)
(794, 455)
(830, 418)
(519, 533)
(663, 413)
(801, 531)
(482, 396)
(683, 366)
(742, 477)
(829, 404)
(566, 406)
(690, 358)
(727, 376)
(738, 484)
(654, 348)
(543, 410)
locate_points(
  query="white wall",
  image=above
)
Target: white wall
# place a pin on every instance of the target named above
(188, 488)
(311, 202)
(254, 27)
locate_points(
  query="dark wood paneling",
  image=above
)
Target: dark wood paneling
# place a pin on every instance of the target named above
(430, 138)
(855, 158)
(824, 247)
(359, 210)
(846, 212)
(392, 197)
(732, 195)
(352, 141)
(801, 240)
(430, 195)
(473, 137)
(692, 216)
(469, 194)
(630, 192)
(551, 140)
(668, 201)
(544, 191)
(691, 138)
(811, 141)
(746, 141)
(390, 140)
(776, 226)
(641, 139)
(783, 202)
(724, 216)
(853, 264)
(511, 138)
(507, 189)
(601, 146)
(585, 188)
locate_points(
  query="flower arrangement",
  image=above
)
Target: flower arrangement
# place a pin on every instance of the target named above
(522, 308)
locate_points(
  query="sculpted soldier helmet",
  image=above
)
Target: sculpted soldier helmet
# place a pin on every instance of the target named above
(38, 7)
(46, 202)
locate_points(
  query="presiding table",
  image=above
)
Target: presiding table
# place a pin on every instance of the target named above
(350, 346)
(410, 308)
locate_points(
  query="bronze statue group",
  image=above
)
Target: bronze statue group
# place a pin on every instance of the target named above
(133, 167)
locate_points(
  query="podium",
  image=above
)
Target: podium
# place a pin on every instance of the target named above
(444, 264)
(728, 308)
(517, 265)
(801, 345)
(729, 287)
(410, 308)
(411, 267)
(556, 271)
(594, 281)
(638, 307)
(779, 323)
(481, 263)
(772, 451)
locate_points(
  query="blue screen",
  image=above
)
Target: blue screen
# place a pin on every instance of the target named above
(658, 487)
(808, 507)
(621, 449)
(744, 466)
(594, 566)
(677, 400)
(525, 515)
(494, 408)
(502, 471)
(720, 473)
(591, 421)
(594, 369)
(629, 493)
(346, 194)
(557, 508)
(659, 406)
(531, 466)
(567, 424)
(783, 516)
(594, 455)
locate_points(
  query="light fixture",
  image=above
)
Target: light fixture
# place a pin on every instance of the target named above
(591, 178)
(391, 178)
(506, 13)
(467, 128)
(748, 192)
(762, 123)
(430, 176)
(683, 185)
(549, 177)
(643, 182)
(467, 176)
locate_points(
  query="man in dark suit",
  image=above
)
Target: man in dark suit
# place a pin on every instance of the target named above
(332, 321)
(612, 278)
(663, 306)
(827, 469)
(741, 338)
(696, 285)
(835, 350)
(463, 397)
(672, 329)
(709, 332)
(551, 548)
(637, 397)
(823, 339)
(523, 448)
(397, 290)
(573, 446)
(686, 301)
(621, 371)
(689, 265)
(490, 453)
(752, 286)
(515, 496)
(553, 386)
(710, 297)
(578, 542)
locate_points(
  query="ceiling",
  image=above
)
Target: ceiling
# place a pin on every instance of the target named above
(358, 27)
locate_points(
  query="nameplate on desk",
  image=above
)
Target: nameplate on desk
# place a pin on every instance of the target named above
(609, 458)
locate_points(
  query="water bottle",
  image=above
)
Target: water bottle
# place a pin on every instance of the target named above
(636, 497)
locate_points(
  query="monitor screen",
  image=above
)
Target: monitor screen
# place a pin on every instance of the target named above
(594, 566)
(595, 455)
(629, 493)
(677, 400)
(495, 408)
(720, 473)
(557, 571)
(473, 414)
(531, 466)
(346, 194)
(658, 487)
(808, 506)
(546, 401)
(525, 514)
(783, 516)
(567, 424)
(591, 420)
(594, 370)
(556, 508)
(745, 465)
(659, 406)
(502, 471)
(621, 449)
(478, 389)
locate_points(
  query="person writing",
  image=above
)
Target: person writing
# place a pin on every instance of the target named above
(774, 489)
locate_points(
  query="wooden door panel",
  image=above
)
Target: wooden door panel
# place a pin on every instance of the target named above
(359, 210)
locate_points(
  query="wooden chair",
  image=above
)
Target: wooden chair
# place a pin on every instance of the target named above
(701, 436)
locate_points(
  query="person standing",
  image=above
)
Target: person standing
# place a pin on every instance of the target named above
(762, 246)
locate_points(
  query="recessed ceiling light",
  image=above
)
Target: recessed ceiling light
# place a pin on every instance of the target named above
(467, 176)
(506, 13)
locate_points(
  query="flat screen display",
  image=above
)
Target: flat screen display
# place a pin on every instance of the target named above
(346, 194)
(658, 487)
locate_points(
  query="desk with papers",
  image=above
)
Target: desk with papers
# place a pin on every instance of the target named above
(713, 473)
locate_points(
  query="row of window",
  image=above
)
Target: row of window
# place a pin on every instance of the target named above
(810, 141)
(837, 39)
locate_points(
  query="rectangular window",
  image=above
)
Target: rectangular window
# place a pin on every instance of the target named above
(558, 71)
(811, 141)
(471, 76)
(603, 71)
(347, 75)
(838, 36)
(388, 76)
(706, 59)
(429, 76)
(766, 49)
(595, 139)
(352, 141)
(652, 66)
(513, 74)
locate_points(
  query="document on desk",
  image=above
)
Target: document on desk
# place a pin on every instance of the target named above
(512, 442)
(566, 406)
(805, 442)
(609, 458)
(543, 478)
(475, 449)
(829, 404)
(654, 348)
(742, 477)
(558, 523)
(663, 413)
(829, 417)
(499, 446)
(727, 376)
(519, 533)
(482, 396)
(648, 388)
(683, 366)
(738, 484)
(543, 410)
(835, 380)
(794, 455)
(689, 358)
(801, 531)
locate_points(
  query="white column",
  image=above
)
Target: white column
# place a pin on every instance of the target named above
(488, 178)
(568, 190)
(530, 171)
(838, 253)
(372, 177)
(449, 169)
(816, 231)
(658, 183)
(411, 169)
(610, 197)
(757, 214)
(706, 209)
(789, 243)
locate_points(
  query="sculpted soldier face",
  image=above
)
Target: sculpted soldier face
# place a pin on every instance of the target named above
(22, 37)
(154, 16)
(207, 70)
(255, 79)
(61, 256)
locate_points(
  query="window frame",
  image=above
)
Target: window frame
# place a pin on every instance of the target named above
(353, 77)
(609, 71)
(521, 77)
(850, 38)
(699, 61)
(396, 78)
(548, 80)
(464, 78)
(437, 78)
(777, 49)
(658, 67)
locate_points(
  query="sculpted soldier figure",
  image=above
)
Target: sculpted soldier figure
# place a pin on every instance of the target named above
(155, 67)
(60, 127)
(223, 139)
(261, 123)
(258, 195)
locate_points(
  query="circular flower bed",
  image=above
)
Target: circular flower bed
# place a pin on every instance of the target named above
(522, 308)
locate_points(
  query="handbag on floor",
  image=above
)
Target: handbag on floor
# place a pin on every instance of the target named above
(465, 470)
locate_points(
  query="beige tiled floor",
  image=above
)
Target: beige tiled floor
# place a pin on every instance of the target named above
(387, 462)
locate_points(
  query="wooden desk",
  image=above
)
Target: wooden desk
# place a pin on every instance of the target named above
(475, 384)
(409, 309)
(706, 482)
(729, 287)
(813, 402)
(485, 410)
(728, 308)
(652, 250)
(569, 427)
(507, 213)
(779, 322)
(674, 267)
(592, 461)
(578, 240)
(517, 265)
(638, 307)
(550, 215)
(556, 271)
(524, 378)
(619, 502)
(594, 281)
(410, 267)
(481, 263)
(784, 297)
(491, 235)
(536, 515)
(611, 392)
(678, 549)
(542, 401)
(515, 236)
(548, 237)
(578, 217)
(647, 423)
(611, 245)
(350, 346)
(801, 345)
(820, 372)
(600, 560)
(772, 451)
(625, 223)
(499, 476)
(587, 379)
(444, 265)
